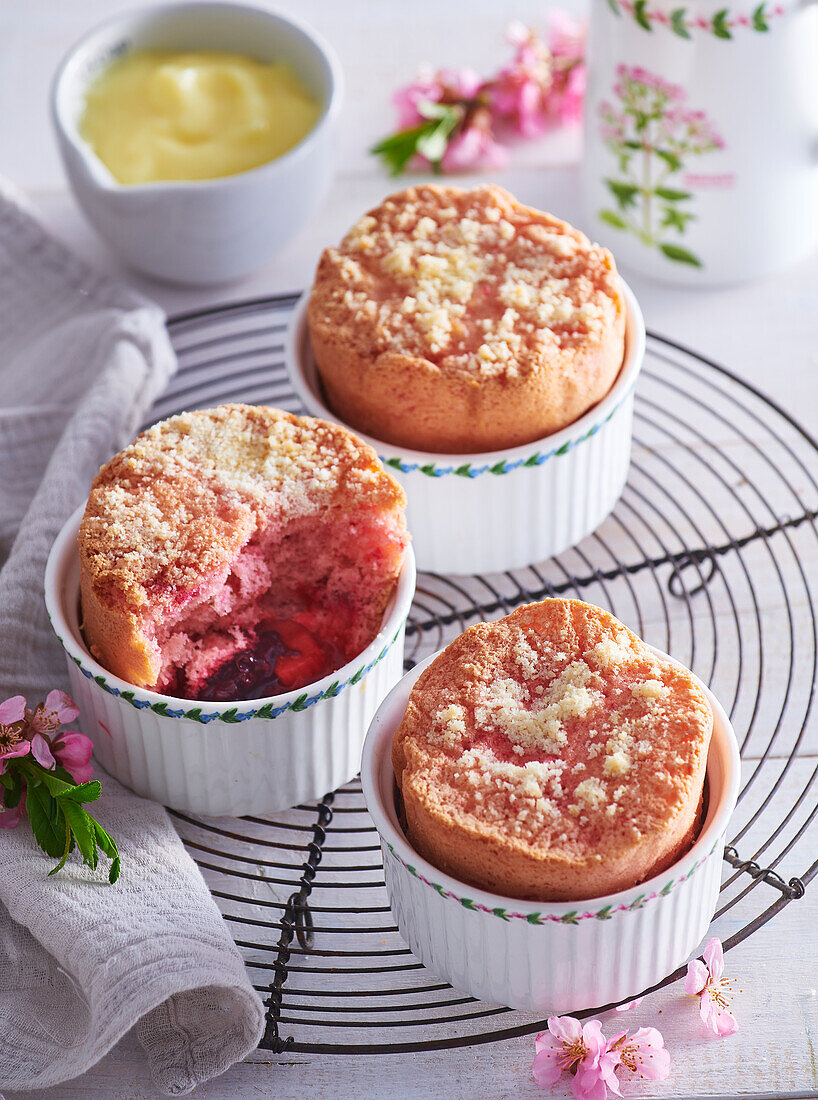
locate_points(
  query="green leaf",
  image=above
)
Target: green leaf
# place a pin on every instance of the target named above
(671, 160)
(501, 913)
(604, 913)
(464, 471)
(676, 219)
(13, 782)
(720, 28)
(82, 827)
(624, 193)
(635, 145)
(680, 255)
(498, 467)
(106, 843)
(670, 194)
(82, 792)
(612, 4)
(760, 18)
(432, 144)
(398, 149)
(640, 14)
(301, 702)
(623, 162)
(534, 918)
(570, 918)
(428, 469)
(677, 22)
(46, 819)
(467, 903)
(610, 218)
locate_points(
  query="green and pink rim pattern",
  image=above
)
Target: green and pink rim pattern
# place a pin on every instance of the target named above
(722, 24)
(504, 466)
(572, 917)
(233, 714)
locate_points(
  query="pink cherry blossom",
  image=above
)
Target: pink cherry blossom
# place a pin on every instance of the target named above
(57, 709)
(706, 981)
(568, 1045)
(628, 1005)
(12, 710)
(11, 818)
(471, 148)
(41, 751)
(73, 752)
(566, 34)
(640, 1056)
(13, 742)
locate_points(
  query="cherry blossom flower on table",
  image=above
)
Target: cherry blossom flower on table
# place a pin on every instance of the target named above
(705, 980)
(13, 742)
(453, 119)
(638, 1056)
(579, 1049)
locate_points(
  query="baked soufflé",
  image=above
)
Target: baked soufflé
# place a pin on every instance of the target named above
(238, 552)
(552, 756)
(461, 321)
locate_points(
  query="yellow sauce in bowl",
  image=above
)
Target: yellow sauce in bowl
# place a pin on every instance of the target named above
(161, 115)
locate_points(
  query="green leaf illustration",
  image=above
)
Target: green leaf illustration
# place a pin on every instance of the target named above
(624, 193)
(640, 14)
(760, 19)
(671, 160)
(720, 28)
(610, 218)
(670, 194)
(677, 22)
(680, 255)
(464, 471)
(676, 219)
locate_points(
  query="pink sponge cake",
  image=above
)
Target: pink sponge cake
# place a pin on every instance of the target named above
(238, 552)
(553, 756)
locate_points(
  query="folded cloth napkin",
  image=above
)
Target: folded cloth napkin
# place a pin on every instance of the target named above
(82, 962)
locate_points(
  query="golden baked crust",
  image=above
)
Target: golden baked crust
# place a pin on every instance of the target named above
(551, 755)
(169, 517)
(460, 321)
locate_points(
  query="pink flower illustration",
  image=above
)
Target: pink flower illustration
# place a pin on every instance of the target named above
(706, 981)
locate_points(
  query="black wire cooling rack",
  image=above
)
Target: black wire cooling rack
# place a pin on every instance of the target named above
(711, 555)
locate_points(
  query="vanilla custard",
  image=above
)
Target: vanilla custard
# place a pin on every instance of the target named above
(162, 115)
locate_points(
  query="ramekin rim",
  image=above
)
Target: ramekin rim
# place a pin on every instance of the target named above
(269, 707)
(375, 757)
(102, 176)
(440, 464)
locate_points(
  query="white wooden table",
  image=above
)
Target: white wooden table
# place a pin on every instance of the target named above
(767, 332)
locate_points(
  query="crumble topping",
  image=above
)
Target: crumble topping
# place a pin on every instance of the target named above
(473, 281)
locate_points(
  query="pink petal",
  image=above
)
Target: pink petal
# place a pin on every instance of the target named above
(22, 748)
(41, 751)
(10, 819)
(12, 710)
(546, 1067)
(654, 1059)
(714, 958)
(465, 82)
(594, 1039)
(628, 1005)
(73, 752)
(697, 976)
(565, 1028)
(725, 1022)
(588, 1084)
(61, 703)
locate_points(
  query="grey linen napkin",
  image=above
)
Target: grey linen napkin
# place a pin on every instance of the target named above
(82, 962)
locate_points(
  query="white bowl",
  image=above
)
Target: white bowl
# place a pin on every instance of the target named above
(201, 231)
(225, 758)
(549, 957)
(498, 510)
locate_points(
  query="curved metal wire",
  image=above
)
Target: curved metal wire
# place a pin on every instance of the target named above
(709, 555)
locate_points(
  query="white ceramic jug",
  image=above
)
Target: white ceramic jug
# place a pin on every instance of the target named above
(701, 131)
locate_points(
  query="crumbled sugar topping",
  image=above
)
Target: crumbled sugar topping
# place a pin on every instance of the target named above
(551, 746)
(491, 284)
(212, 474)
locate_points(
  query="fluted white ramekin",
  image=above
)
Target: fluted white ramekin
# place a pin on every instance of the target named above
(225, 758)
(549, 957)
(498, 510)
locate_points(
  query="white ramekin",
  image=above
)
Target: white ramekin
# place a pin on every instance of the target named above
(225, 758)
(202, 231)
(549, 957)
(485, 513)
